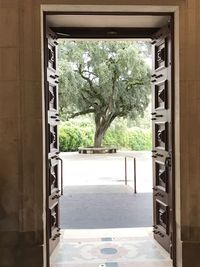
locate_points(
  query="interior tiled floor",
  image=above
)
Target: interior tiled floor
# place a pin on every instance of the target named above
(132, 247)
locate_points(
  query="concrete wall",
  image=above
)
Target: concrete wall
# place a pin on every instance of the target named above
(21, 133)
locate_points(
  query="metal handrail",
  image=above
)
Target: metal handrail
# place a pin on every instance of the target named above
(61, 182)
(126, 180)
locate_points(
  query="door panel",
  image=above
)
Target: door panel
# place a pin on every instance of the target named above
(53, 173)
(162, 139)
(161, 176)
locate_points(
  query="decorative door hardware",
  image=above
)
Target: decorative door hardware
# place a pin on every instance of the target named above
(53, 180)
(56, 197)
(159, 195)
(161, 123)
(159, 116)
(168, 162)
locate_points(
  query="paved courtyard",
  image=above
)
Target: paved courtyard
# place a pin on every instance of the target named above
(107, 169)
(95, 194)
(104, 223)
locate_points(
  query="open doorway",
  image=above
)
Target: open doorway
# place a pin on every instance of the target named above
(161, 117)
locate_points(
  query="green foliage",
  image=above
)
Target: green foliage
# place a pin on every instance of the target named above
(98, 74)
(72, 136)
(117, 135)
(80, 134)
(139, 139)
(109, 79)
(132, 139)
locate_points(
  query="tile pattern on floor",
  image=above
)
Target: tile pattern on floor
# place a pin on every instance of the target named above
(106, 251)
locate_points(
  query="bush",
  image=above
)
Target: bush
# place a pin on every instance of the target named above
(133, 138)
(75, 135)
(71, 136)
(139, 139)
(116, 136)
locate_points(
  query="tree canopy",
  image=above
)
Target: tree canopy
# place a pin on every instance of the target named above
(108, 79)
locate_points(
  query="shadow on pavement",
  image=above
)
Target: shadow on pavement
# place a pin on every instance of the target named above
(104, 206)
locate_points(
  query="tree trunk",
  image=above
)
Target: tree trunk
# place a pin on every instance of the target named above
(98, 138)
(102, 126)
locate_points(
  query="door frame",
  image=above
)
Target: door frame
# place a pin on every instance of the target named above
(170, 11)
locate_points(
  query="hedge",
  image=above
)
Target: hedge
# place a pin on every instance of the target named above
(72, 136)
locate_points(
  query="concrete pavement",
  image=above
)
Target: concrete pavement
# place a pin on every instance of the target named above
(107, 169)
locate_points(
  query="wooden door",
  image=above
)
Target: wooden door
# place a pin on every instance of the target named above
(162, 138)
(52, 120)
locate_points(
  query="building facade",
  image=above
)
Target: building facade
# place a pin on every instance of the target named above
(22, 157)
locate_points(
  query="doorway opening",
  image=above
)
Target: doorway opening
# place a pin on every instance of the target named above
(162, 133)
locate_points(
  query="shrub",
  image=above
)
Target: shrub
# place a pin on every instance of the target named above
(133, 138)
(139, 139)
(71, 136)
(75, 135)
(116, 137)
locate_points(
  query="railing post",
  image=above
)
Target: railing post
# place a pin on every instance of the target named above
(125, 171)
(135, 185)
(135, 177)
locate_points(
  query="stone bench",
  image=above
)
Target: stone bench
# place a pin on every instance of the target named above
(96, 150)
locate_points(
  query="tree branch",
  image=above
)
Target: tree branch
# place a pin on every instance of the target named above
(93, 93)
(80, 71)
(90, 72)
(130, 83)
(111, 98)
(87, 111)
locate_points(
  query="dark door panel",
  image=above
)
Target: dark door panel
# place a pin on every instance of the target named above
(162, 139)
(52, 118)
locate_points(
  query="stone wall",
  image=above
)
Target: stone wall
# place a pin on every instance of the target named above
(22, 213)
